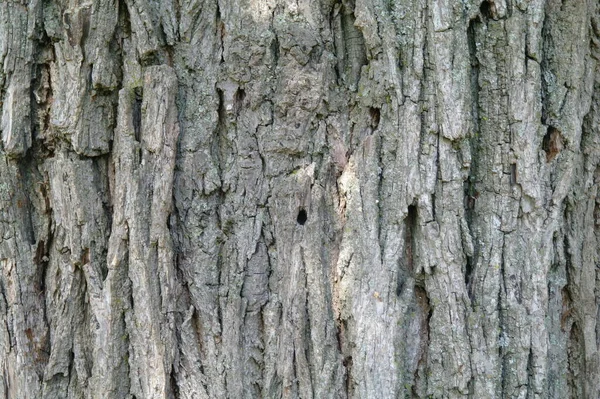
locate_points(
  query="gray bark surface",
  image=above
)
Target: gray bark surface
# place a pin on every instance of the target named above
(299, 199)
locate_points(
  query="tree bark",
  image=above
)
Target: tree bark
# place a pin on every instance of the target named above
(299, 199)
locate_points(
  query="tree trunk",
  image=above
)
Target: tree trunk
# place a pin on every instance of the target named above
(300, 199)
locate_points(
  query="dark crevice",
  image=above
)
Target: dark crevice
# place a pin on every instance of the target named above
(124, 24)
(474, 63)
(221, 283)
(40, 253)
(375, 114)
(381, 220)
(548, 65)
(354, 49)
(293, 385)
(221, 106)
(136, 112)
(71, 374)
(470, 191)
(174, 386)
(488, 10)
(471, 195)
(530, 372)
(308, 349)
(220, 30)
(275, 50)
(576, 363)
(217, 136)
(26, 175)
(469, 276)
(410, 223)
(552, 143)
(502, 321)
(238, 100)
(347, 363)
(85, 257)
(503, 366)
(565, 315)
(401, 280)
(513, 174)
(47, 246)
(339, 335)
(341, 328)
(151, 58)
(197, 324)
(338, 42)
(35, 109)
(315, 55)
(567, 302)
(425, 313)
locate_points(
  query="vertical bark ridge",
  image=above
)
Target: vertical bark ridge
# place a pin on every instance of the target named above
(356, 198)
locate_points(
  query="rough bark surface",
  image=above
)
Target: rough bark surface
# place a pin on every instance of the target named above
(299, 199)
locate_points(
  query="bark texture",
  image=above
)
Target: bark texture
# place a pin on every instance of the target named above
(299, 199)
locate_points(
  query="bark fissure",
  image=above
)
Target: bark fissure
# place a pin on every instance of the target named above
(299, 199)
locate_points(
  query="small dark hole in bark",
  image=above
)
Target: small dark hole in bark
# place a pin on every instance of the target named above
(302, 217)
(488, 10)
(552, 143)
(375, 114)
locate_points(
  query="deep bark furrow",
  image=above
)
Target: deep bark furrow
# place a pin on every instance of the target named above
(319, 199)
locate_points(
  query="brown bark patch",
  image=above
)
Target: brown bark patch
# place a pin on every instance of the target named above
(553, 143)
